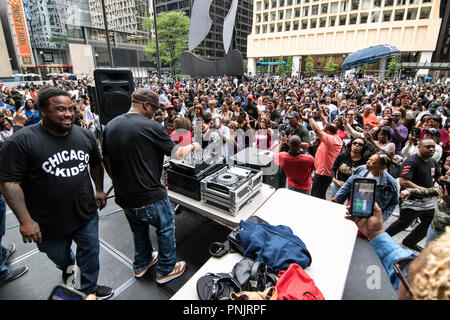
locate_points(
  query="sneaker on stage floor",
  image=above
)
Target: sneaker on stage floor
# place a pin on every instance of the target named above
(103, 292)
(176, 272)
(140, 273)
(13, 275)
(9, 251)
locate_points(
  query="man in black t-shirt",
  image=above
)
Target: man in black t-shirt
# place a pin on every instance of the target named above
(45, 180)
(134, 146)
(275, 115)
(418, 171)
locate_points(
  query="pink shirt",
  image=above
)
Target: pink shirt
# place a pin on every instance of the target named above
(329, 148)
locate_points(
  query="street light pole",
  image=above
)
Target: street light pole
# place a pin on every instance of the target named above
(156, 40)
(107, 35)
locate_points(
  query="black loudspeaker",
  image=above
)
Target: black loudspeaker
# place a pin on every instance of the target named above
(92, 94)
(114, 88)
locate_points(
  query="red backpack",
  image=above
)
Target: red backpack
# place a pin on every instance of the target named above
(295, 284)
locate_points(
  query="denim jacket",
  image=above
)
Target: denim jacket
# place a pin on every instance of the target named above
(386, 195)
(388, 250)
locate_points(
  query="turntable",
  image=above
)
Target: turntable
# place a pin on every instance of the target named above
(231, 188)
(184, 176)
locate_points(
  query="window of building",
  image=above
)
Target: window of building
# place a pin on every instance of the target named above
(344, 6)
(274, 3)
(289, 2)
(289, 14)
(304, 24)
(413, 1)
(258, 6)
(266, 4)
(425, 13)
(322, 22)
(257, 29)
(365, 4)
(399, 14)
(324, 8)
(296, 25)
(375, 17)
(282, 3)
(273, 15)
(258, 18)
(426, 1)
(297, 12)
(411, 14)
(313, 23)
(272, 28)
(305, 11)
(280, 27)
(387, 15)
(298, 1)
(265, 28)
(353, 18)
(172, 6)
(355, 4)
(305, 1)
(342, 20)
(315, 10)
(332, 21)
(363, 18)
(280, 15)
(401, 2)
(377, 3)
(334, 8)
(389, 3)
(287, 26)
(265, 17)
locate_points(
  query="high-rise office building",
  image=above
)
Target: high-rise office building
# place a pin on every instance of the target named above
(325, 28)
(122, 15)
(212, 46)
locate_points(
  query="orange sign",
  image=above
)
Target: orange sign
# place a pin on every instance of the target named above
(21, 33)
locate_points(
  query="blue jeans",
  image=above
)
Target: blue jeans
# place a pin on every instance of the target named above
(86, 238)
(3, 268)
(160, 215)
(431, 235)
(308, 192)
(282, 178)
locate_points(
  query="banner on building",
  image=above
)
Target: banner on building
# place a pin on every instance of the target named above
(23, 41)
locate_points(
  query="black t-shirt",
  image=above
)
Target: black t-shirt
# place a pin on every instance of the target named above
(54, 175)
(300, 131)
(252, 112)
(136, 147)
(420, 172)
(275, 116)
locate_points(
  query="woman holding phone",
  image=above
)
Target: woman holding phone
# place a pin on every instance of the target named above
(386, 193)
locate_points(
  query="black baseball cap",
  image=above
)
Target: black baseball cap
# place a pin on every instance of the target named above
(293, 114)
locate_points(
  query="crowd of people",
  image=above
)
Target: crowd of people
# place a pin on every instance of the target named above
(323, 134)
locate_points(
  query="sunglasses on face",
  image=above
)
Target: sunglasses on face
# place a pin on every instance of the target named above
(359, 144)
(401, 267)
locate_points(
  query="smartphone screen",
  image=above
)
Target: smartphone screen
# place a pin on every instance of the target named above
(363, 197)
(64, 293)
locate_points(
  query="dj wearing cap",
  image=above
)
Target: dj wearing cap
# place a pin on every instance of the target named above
(134, 146)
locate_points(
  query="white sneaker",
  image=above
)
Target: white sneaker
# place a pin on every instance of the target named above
(176, 272)
(140, 273)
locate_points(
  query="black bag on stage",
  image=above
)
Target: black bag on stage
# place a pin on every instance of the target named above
(253, 276)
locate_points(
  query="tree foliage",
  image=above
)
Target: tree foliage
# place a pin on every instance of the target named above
(331, 66)
(393, 66)
(173, 31)
(309, 66)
